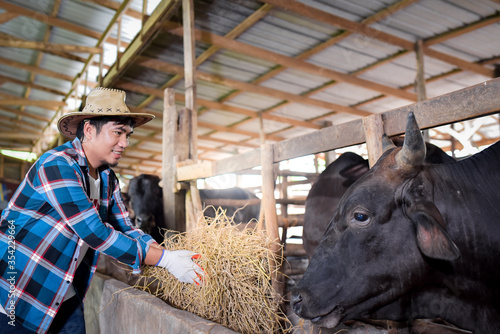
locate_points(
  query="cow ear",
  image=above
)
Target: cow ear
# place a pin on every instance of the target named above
(355, 170)
(432, 238)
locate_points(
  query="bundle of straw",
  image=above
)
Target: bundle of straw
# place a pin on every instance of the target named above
(236, 291)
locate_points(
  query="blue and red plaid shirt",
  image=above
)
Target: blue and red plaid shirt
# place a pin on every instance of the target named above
(49, 218)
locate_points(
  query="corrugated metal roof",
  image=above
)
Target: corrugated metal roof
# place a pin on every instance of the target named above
(468, 31)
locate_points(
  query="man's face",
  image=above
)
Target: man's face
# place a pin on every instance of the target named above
(106, 147)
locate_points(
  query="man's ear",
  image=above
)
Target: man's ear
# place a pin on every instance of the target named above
(88, 130)
(432, 238)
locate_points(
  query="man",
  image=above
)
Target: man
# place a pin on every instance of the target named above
(66, 211)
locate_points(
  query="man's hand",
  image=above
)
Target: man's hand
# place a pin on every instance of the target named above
(180, 264)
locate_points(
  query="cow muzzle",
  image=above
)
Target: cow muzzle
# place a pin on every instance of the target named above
(145, 222)
(328, 319)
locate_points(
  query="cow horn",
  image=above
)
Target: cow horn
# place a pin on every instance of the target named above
(413, 152)
(387, 143)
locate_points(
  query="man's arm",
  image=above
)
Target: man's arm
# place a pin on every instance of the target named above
(61, 185)
(153, 255)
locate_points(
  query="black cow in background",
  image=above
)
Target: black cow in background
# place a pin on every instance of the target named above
(332, 183)
(239, 214)
(146, 204)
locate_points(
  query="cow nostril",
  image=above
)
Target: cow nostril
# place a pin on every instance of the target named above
(296, 302)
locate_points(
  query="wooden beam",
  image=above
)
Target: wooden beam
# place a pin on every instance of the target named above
(238, 30)
(17, 135)
(39, 55)
(151, 27)
(55, 53)
(215, 105)
(228, 142)
(21, 129)
(290, 62)
(6, 17)
(53, 21)
(481, 23)
(337, 38)
(316, 49)
(52, 105)
(115, 5)
(463, 64)
(35, 69)
(42, 144)
(365, 30)
(232, 129)
(49, 46)
(17, 123)
(190, 75)
(323, 45)
(274, 93)
(31, 85)
(25, 114)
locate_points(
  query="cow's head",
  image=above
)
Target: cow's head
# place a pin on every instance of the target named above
(378, 246)
(145, 196)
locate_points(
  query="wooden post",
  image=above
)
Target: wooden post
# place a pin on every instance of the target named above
(420, 80)
(101, 67)
(260, 223)
(269, 203)
(118, 42)
(174, 149)
(190, 98)
(374, 129)
(2, 165)
(23, 169)
(284, 208)
(189, 73)
(144, 14)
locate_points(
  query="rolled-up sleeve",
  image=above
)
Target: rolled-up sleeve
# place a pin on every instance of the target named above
(62, 186)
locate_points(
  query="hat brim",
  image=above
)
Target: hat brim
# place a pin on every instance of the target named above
(68, 124)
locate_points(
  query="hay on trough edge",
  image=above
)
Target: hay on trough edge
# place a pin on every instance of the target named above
(237, 291)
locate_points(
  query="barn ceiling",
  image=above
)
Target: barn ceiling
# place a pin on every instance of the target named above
(281, 67)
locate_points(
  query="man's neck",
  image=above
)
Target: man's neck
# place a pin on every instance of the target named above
(92, 172)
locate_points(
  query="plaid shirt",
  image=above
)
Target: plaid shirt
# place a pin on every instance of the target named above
(50, 217)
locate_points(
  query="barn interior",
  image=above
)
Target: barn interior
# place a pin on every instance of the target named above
(255, 72)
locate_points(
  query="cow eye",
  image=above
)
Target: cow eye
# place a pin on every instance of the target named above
(360, 218)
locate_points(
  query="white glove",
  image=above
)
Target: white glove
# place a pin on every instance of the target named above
(180, 264)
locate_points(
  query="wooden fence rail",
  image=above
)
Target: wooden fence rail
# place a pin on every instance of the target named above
(471, 102)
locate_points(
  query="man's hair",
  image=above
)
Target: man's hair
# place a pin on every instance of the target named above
(98, 123)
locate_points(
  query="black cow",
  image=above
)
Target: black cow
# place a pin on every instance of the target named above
(145, 199)
(332, 183)
(410, 241)
(146, 202)
(239, 214)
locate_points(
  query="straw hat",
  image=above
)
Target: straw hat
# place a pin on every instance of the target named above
(100, 102)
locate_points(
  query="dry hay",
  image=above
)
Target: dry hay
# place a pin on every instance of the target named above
(237, 291)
